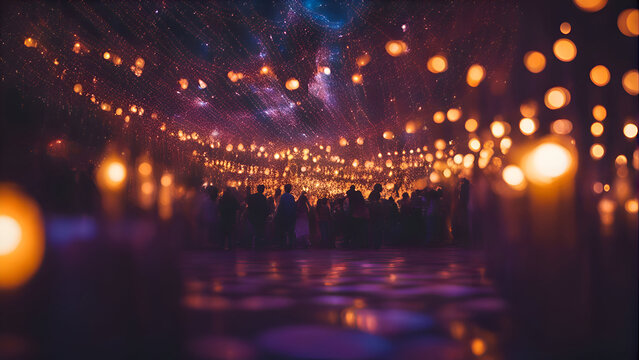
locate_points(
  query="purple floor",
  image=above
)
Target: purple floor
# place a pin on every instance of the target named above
(333, 304)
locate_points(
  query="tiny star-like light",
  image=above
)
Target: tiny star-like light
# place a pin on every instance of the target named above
(357, 78)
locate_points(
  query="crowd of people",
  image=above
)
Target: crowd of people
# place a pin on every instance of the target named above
(278, 219)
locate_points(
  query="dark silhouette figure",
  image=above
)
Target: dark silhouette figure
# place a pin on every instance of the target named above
(257, 213)
(228, 212)
(286, 216)
(324, 221)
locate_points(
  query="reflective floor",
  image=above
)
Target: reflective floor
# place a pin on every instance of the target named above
(335, 304)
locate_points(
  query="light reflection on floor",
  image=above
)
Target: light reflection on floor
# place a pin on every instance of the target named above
(332, 304)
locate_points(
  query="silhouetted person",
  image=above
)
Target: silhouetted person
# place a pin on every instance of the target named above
(257, 213)
(302, 230)
(376, 216)
(324, 221)
(228, 211)
(286, 216)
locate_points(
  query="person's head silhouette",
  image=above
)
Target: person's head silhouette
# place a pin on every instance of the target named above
(288, 188)
(260, 189)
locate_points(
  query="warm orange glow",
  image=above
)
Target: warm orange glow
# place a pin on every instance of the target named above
(145, 168)
(628, 22)
(547, 162)
(166, 180)
(474, 144)
(590, 5)
(10, 234)
(476, 74)
(498, 129)
(513, 176)
(439, 117)
(363, 59)
(139, 63)
(632, 206)
(388, 135)
(471, 125)
(528, 109)
(630, 130)
(360, 141)
(599, 75)
(565, 50)
(630, 82)
(478, 347)
(264, 70)
(201, 84)
(535, 61)
(527, 126)
(343, 142)
(596, 129)
(184, 84)
(597, 151)
(77, 88)
(106, 55)
(357, 78)
(437, 64)
(229, 147)
(396, 48)
(440, 144)
(21, 237)
(292, 84)
(561, 127)
(599, 112)
(565, 28)
(30, 42)
(453, 114)
(557, 98)
(411, 127)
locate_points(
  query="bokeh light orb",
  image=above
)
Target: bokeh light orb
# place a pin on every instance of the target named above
(561, 127)
(535, 61)
(527, 126)
(631, 206)
(597, 151)
(498, 129)
(77, 88)
(357, 78)
(599, 112)
(547, 162)
(513, 176)
(388, 135)
(363, 59)
(292, 84)
(630, 82)
(343, 141)
(21, 237)
(565, 50)
(453, 114)
(476, 74)
(360, 141)
(596, 129)
(590, 5)
(628, 22)
(471, 125)
(565, 28)
(184, 83)
(556, 98)
(600, 75)
(115, 172)
(437, 64)
(474, 144)
(439, 117)
(145, 168)
(630, 130)
(396, 48)
(30, 42)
